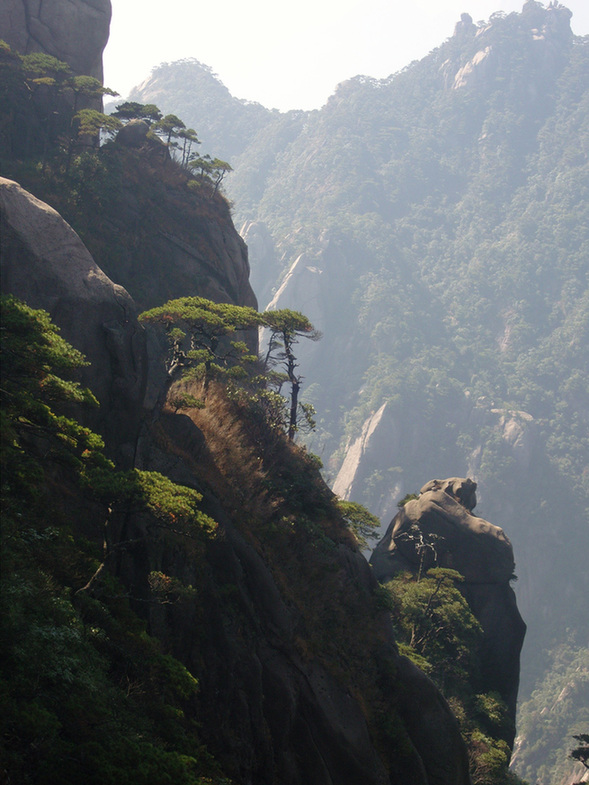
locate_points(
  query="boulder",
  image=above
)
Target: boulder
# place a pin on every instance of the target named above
(133, 134)
(442, 519)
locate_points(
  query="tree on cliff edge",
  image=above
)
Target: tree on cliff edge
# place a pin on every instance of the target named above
(286, 327)
(200, 333)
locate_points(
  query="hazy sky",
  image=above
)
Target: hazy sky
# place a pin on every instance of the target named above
(284, 54)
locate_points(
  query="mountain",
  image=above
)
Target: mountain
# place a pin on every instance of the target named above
(184, 599)
(224, 122)
(216, 589)
(433, 225)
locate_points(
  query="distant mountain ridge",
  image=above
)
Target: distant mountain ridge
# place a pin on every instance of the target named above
(225, 124)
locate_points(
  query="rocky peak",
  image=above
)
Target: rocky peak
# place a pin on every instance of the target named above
(547, 30)
(465, 27)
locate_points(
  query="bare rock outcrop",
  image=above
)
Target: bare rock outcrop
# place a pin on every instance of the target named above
(442, 516)
(542, 29)
(74, 31)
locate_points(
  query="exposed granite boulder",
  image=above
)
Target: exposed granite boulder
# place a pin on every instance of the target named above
(133, 134)
(480, 551)
(75, 31)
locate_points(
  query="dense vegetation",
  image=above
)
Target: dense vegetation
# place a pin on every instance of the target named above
(87, 694)
(437, 630)
(557, 710)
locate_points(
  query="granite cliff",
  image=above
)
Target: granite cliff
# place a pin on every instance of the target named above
(74, 32)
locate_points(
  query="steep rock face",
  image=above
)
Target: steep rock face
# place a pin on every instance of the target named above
(479, 551)
(357, 455)
(44, 263)
(284, 715)
(75, 31)
(157, 237)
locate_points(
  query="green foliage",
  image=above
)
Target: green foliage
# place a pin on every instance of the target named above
(87, 695)
(199, 333)
(362, 523)
(200, 325)
(205, 168)
(439, 633)
(169, 129)
(285, 327)
(34, 359)
(92, 123)
(185, 401)
(46, 108)
(173, 505)
(132, 110)
(436, 621)
(556, 711)
(407, 498)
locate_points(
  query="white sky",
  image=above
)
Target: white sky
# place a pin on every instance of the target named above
(289, 54)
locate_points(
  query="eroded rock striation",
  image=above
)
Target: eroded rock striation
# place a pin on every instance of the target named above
(443, 516)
